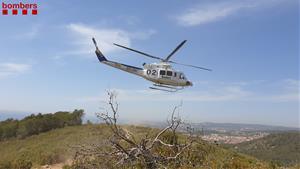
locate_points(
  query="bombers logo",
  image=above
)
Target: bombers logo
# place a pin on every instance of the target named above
(15, 8)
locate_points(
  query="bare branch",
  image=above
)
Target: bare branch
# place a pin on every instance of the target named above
(175, 157)
(126, 149)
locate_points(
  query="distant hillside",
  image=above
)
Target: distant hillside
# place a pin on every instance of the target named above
(242, 127)
(281, 148)
(228, 127)
(57, 146)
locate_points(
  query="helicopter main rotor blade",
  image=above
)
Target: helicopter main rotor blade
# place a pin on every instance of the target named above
(175, 50)
(142, 53)
(198, 67)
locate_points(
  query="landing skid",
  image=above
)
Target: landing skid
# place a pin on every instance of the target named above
(165, 88)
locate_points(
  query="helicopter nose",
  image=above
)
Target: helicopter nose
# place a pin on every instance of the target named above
(188, 83)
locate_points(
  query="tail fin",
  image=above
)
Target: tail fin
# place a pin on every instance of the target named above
(100, 56)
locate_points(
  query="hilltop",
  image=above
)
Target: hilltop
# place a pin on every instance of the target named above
(47, 139)
(59, 145)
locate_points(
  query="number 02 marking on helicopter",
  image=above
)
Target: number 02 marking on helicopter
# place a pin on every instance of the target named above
(151, 72)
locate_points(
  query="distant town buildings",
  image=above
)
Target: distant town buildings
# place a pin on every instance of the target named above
(233, 139)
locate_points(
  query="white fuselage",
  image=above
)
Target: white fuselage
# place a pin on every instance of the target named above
(162, 73)
(159, 73)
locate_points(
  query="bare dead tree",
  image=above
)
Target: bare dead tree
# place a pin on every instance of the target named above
(128, 150)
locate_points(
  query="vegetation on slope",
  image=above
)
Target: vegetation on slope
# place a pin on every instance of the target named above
(60, 144)
(279, 148)
(35, 124)
(50, 147)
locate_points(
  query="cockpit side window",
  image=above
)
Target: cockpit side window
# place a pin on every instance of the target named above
(175, 74)
(162, 72)
(169, 73)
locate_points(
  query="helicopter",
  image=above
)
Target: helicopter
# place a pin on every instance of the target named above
(164, 77)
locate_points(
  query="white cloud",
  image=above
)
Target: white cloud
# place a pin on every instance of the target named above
(290, 92)
(8, 69)
(285, 97)
(142, 35)
(30, 33)
(206, 13)
(105, 37)
(291, 84)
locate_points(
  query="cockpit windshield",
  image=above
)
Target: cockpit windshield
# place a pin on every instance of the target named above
(181, 76)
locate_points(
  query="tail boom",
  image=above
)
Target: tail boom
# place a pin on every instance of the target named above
(124, 67)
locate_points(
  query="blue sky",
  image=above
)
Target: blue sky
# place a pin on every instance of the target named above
(47, 62)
